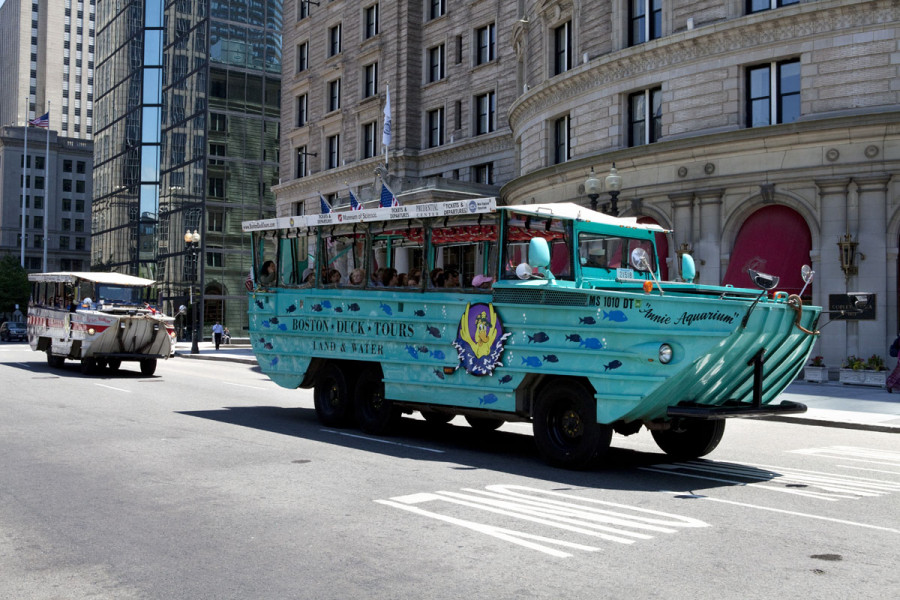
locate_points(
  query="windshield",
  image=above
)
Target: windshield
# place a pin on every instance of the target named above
(116, 294)
(612, 252)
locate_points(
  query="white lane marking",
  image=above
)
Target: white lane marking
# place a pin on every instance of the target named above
(788, 512)
(668, 471)
(611, 522)
(26, 365)
(253, 387)
(381, 441)
(870, 470)
(854, 454)
(113, 388)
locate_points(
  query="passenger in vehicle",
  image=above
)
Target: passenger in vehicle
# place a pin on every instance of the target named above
(389, 277)
(268, 274)
(482, 281)
(309, 276)
(449, 278)
(434, 275)
(357, 276)
(333, 276)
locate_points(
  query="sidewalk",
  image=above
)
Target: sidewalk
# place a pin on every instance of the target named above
(829, 404)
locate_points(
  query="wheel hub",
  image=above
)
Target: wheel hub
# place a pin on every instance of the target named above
(571, 424)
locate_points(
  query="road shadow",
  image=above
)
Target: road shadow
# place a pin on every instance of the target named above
(71, 368)
(464, 448)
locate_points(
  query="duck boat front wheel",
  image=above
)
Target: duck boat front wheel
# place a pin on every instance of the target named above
(690, 438)
(565, 427)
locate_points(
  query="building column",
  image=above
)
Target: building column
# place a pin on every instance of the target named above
(871, 235)
(833, 200)
(709, 241)
(683, 223)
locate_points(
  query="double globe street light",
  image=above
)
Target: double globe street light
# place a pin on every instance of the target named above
(613, 183)
(192, 247)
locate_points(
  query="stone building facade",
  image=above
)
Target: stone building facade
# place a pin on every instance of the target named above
(762, 133)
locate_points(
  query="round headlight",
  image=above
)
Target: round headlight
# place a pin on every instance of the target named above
(665, 354)
(91, 331)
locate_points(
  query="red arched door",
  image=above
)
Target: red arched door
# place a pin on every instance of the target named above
(773, 240)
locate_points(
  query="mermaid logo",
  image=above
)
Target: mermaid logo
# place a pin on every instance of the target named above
(479, 340)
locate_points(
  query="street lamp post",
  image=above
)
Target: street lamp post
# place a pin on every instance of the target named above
(592, 189)
(192, 247)
(613, 184)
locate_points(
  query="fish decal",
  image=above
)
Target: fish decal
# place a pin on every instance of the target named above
(265, 324)
(291, 308)
(506, 379)
(615, 315)
(268, 346)
(573, 338)
(422, 349)
(259, 304)
(412, 352)
(354, 307)
(540, 337)
(262, 340)
(274, 320)
(613, 365)
(587, 320)
(439, 373)
(419, 313)
(438, 354)
(338, 309)
(282, 327)
(551, 358)
(316, 307)
(273, 362)
(326, 304)
(532, 361)
(387, 309)
(488, 399)
(480, 339)
(591, 344)
(434, 331)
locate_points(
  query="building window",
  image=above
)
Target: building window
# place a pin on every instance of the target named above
(436, 8)
(67, 166)
(562, 150)
(436, 63)
(334, 95)
(80, 167)
(334, 151)
(216, 187)
(485, 113)
(773, 93)
(302, 9)
(302, 57)
(334, 40)
(302, 167)
(67, 204)
(38, 241)
(370, 79)
(644, 117)
(436, 127)
(369, 139)
(216, 153)
(79, 205)
(215, 221)
(645, 17)
(302, 112)
(63, 242)
(483, 173)
(485, 43)
(754, 6)
(66, 224)
(79, 224)
(38, 222)
(562, 48)
(214, 258)
(218, 122)
(66, 184)
(79, 187)
(79, 243)
(370, 18)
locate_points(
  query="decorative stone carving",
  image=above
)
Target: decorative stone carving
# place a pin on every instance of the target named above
(832, 155)
(871, 151)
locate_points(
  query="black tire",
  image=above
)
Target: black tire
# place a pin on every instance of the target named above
(114, 363)
(375, 414)
(565, 427)
(690, 438)
(331, 396)
(484, 423)
(53, 361)
(434, 417)
(148, 366)
(88, 366)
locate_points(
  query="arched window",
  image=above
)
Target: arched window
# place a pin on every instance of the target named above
(773, 240)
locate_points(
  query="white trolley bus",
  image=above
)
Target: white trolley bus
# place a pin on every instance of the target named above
(100, 319)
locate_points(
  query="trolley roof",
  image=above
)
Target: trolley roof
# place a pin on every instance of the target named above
(91, 276)
(559, 210)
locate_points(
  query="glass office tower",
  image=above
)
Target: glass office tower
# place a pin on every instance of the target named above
(190, 134)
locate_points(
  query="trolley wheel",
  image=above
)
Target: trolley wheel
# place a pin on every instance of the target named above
(331, 397)
(690, 438)
(484, 423)
(148, 366)
(88, 366)
(374, 413)
(435, 417)
(53, 361)
(565, 427)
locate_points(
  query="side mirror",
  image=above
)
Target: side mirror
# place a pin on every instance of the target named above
(539, 252)
(806, 274)
(688, 268)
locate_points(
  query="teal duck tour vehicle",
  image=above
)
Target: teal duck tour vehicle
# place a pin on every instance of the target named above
(545, 313)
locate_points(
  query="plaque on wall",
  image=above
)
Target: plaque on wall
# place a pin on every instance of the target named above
(859, 306)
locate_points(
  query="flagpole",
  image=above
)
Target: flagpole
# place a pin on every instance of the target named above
(47, 189)
(24, 175)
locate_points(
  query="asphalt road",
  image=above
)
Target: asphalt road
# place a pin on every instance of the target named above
(208, 481)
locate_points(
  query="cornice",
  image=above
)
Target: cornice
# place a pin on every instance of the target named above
(789, 24)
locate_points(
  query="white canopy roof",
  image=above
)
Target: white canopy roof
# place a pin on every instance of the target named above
(93, 277)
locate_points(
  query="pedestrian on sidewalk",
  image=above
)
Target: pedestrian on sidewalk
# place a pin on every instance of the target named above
(893, 380)
(217, 333)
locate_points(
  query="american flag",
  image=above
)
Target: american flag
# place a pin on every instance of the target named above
(323, 204)
(41, 121)
(387, 197)
(354, 202)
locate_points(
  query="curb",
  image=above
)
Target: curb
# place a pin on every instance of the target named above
(224, 358)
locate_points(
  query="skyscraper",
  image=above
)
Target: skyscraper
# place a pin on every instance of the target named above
(187, 139)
